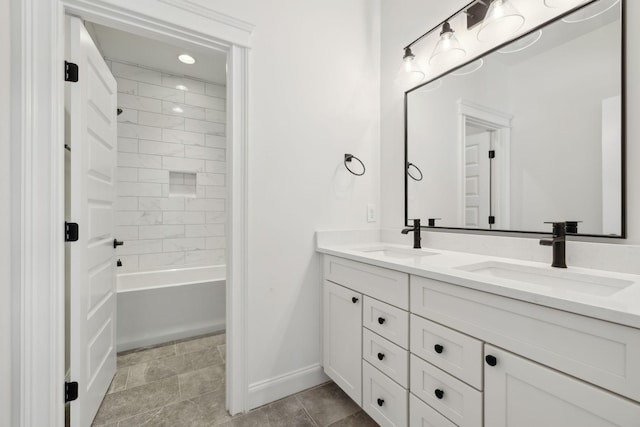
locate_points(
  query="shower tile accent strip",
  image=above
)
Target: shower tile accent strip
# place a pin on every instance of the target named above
(163, 130)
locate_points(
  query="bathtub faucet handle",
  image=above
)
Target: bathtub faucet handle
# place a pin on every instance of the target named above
(117, 243)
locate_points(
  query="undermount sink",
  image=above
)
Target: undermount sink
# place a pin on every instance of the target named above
(398, 253)
(551, 279)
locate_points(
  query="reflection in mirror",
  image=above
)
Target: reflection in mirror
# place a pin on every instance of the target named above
(530, 133)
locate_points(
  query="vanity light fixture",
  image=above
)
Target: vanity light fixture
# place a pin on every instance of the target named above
(411, 66)
(408, 58)
(182, 87)
(448, 48)
(502, 19)
(186, 59)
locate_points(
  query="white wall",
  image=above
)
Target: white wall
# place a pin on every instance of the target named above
(161, 227)
(314, 97)
(404, 20)
(5, 222)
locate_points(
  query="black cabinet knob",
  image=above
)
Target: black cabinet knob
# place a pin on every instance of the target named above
(438, 348)
(119, 263)
(491, 360)
(354, 300)
(381, 320)
(380, 402)
(380, 356)
(439, 393)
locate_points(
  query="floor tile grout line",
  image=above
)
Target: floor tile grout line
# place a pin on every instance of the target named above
(297, 396)
(180, 398)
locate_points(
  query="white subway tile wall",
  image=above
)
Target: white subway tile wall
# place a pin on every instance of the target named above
(166, 136)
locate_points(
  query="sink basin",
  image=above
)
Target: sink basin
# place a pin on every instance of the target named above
(397, 253)
(550, 279)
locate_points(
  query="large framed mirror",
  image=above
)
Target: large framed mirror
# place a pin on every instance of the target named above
(531, 132)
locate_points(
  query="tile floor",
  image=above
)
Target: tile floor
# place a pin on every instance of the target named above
(182, 384)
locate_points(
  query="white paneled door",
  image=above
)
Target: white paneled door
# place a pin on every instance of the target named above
(92, 297)
(477, 145)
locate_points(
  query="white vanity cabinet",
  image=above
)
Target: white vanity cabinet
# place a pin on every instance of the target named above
(454, 356)
(522, 393)
(378, 356)
(342, 345)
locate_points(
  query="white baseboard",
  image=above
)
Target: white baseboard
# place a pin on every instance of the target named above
(162, 337)
(272, 389)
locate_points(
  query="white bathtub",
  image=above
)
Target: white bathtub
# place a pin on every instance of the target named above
(159, 306)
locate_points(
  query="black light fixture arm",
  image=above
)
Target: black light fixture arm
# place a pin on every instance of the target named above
(446, 20)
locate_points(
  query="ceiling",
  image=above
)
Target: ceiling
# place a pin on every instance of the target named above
(137, 50)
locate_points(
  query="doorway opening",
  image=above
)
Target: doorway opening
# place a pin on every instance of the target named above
(145, 174)
(485, 135)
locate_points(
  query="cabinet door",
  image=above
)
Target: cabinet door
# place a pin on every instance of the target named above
(521, 393)
(342, 344)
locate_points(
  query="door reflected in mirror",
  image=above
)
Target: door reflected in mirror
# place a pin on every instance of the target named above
(533, 135)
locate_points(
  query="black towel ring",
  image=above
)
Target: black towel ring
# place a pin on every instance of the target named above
(411, 176)
(348, 158)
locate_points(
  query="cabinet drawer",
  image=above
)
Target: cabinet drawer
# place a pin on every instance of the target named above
(387, 320)
(451, 397)
(603, 353)
(381, 283)
(384, 400)
(453, 352)
(423, 415)
(389, 358)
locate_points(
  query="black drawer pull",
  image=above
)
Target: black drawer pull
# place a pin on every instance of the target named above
(380, 356)
(491, 360)
(354, 300)
(438, 348)
(439, 393)
(380, 402)
(381, 320)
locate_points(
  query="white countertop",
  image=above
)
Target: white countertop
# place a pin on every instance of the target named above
(621, 307)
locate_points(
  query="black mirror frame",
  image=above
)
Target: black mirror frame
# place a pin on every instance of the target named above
(623, 87)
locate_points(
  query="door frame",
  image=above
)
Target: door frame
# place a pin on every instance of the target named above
(37, 183)
(480, 115)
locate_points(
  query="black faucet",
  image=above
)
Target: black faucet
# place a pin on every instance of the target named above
(416, 233)
(558, 243)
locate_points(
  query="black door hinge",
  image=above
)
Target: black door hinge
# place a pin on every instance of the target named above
(70, 232)
(492, 220)
(492, 154)
(70, 391)
(70, 72)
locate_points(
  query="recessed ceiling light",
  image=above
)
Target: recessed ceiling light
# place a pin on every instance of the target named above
(177, 109)
(182, 87)
(186, 59)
